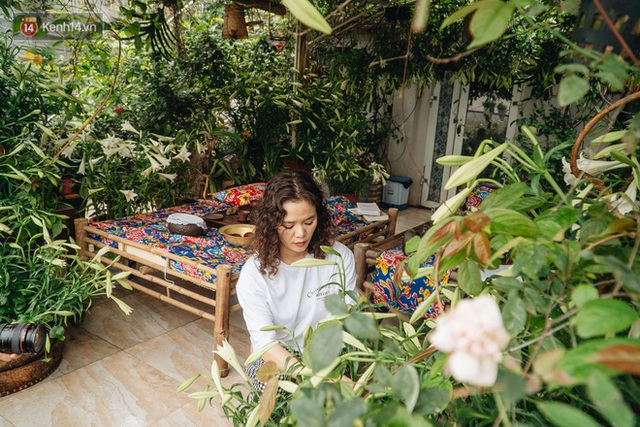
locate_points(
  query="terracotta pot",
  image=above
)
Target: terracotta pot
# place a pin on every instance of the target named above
(67, 186)
(243, 215)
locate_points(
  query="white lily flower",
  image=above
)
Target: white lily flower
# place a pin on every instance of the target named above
(126, 149)
(110, 145)
(82, 169)
(183, 154)
(95, 190)
(474, 335)
(229, 355)
(145, 173)
(95, 161)
(160, 162)
(129, 195)
(626, 202)
(591, 167)
(68, 151)
(569, 177)
(127, 127)
(169, 176)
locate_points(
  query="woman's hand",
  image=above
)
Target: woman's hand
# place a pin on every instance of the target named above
(6, 358)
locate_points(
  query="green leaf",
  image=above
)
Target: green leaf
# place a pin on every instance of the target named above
(490, 21)
(460, 13)
(563, 415)
(553, 224)
(572, 68)
(335, 304)
(505, 197)
(602, 316)
(613, 72)
(572, 89)
(582, 361)
(432, 400)
(582, 294)
(324, 346)
(306, 13)
(362, 326)
(630, 279)
(469, 278)
(406, 385)
(514, 315)
(608, 400)
(347, 413)
(510, 386)
(308, 412)
(507, 221)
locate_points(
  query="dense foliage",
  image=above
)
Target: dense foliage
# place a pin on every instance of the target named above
(42, 280)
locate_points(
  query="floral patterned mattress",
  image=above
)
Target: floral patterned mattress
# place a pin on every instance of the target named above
(211, 248)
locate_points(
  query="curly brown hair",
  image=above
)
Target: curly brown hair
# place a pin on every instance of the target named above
(284, 186)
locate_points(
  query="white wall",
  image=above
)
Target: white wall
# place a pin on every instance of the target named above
(414, 106)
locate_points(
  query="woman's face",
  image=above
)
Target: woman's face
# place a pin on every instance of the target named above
(297, 228)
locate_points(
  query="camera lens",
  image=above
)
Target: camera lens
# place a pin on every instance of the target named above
(21, 338)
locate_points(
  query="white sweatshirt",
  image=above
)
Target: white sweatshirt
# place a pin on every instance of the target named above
(293, 297)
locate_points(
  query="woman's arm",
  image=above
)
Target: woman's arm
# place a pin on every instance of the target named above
(283, 359)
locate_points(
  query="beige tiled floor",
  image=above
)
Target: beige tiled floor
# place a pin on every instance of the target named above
(120, 370)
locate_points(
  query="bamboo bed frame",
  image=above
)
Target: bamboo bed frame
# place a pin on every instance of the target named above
(153, 265)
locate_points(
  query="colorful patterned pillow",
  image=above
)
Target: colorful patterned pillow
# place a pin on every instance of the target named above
(340, 209)
(477, 195)
(240, 195)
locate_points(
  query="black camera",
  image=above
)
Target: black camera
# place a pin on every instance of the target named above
(21, 338)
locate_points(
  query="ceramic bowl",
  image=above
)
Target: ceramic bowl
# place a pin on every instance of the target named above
(239, 234)
(213, 218)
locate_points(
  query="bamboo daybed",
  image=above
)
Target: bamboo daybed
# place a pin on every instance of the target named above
(202, 269)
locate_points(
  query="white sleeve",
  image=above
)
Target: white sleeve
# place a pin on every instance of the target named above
(251, 291)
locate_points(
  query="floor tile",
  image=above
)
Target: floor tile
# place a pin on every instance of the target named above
(150, 318)
(119, 390)
(189, 416)
(82, 348)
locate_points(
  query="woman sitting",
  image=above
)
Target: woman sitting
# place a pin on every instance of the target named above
(292, 223)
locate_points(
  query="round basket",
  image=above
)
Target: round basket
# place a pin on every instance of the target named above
(185, 224)
(239, 234)
(29, 369)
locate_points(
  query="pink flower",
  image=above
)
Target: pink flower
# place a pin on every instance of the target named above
(474, 336)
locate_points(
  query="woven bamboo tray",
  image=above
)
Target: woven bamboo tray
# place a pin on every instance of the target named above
(29, 369)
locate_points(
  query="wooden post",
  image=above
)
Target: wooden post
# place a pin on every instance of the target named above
(393, 219)
(359, 253)
(80, 234)
(221, 326)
